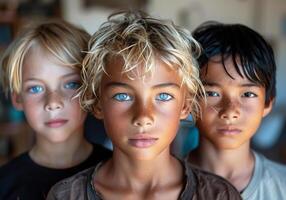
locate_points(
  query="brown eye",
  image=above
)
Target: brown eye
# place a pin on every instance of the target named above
(249, 95)
(212, 94)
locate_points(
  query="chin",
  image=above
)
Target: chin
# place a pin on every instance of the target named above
(143, 156)
(58, 139)
(228, 146)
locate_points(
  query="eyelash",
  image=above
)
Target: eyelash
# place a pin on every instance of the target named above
(212, 94)
(126, 97)
(73, 85)
(36, 87)
(216, 94)
(249, 95)
(122, 97)
(167, 96)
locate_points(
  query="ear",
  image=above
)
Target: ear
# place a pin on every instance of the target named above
(186, 110)
(97, 111)
(17, 101)
(268, 108)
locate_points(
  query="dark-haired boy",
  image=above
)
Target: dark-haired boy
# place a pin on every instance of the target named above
(238, 69)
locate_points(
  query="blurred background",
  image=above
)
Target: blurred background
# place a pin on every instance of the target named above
(265, 16)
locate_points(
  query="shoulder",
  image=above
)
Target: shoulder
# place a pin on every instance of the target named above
(13, 175)
(268, 180)
(271, 169)
(210, 186)
(12, 167)
(74, 186)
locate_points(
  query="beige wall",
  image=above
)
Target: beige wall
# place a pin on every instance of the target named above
(263, 15)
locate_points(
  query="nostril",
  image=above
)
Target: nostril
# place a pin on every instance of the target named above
(143, 122)
(53, 106)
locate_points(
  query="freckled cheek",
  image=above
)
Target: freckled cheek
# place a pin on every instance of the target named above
(73, 107)
(32, 103)
(33, 112)
(116, 116)
(67, 95)
(168, 112)
(209, 109)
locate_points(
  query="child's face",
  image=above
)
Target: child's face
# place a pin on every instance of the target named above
(46, 97)
(234, 107)
(141, 117)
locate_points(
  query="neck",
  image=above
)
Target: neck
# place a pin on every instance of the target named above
(61, 155)
(235, 165)
(143, 176)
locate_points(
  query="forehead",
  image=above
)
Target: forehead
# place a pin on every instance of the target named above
(159, 72)
(40, 62)
(216, 70)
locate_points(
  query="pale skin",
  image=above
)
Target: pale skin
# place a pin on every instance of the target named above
(56, 118)
(141, 118)
(232, 115)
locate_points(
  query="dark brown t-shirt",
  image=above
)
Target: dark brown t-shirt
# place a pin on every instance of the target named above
(200, 185)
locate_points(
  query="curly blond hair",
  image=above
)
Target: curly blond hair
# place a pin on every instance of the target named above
(140, 40)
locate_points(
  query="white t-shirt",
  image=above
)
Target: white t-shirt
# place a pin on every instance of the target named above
(268, 181)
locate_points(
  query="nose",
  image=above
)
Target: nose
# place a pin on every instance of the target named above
(230, 110)
(53, 101)
(143, 115)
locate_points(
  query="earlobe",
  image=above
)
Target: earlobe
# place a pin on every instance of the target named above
(17, 101)
(185, 112)
(268, 108)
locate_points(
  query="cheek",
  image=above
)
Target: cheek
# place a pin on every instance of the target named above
(32, 106)
(67, 95)
(116, 117)
(74, 110)
(168, 115)
(209, 111)
(170, 109)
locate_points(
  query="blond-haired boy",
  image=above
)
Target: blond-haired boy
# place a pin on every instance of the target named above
(41, 72)
(140, 78)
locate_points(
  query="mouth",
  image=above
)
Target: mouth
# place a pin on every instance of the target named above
(142, 141)
(229, 131)
(56, 123)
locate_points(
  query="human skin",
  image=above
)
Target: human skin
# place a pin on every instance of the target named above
(230, 117)
(47, 99)
(235, 107)
(141, 117)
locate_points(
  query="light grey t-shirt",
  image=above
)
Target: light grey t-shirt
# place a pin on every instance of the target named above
(268, 181)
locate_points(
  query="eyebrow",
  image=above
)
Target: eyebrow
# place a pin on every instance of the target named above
(120, 84)
(167, 85)
(64, 76)
(214, 84)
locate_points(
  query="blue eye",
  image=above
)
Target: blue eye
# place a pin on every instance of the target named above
(212, 94)
(164, 97)
(249, 94)
(72, 85)
(122, 97)
(35, 89)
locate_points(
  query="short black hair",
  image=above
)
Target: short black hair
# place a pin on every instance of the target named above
(243, 45)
